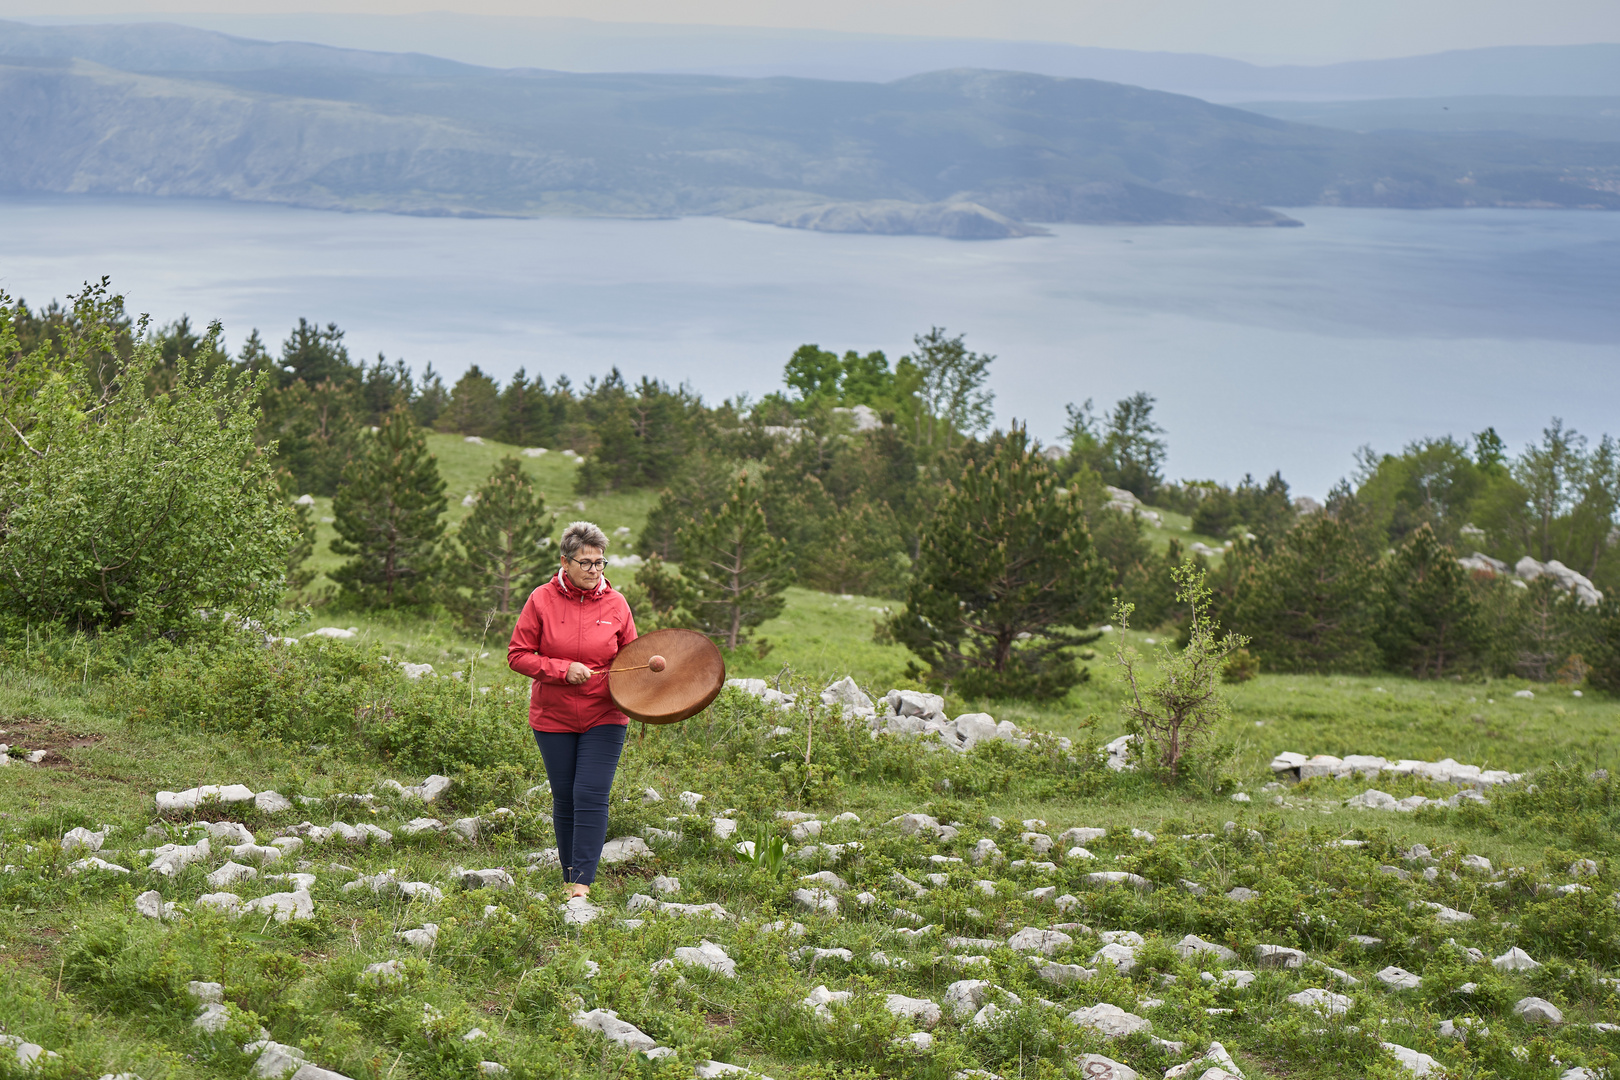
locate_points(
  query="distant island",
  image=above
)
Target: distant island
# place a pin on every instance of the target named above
(964, 153)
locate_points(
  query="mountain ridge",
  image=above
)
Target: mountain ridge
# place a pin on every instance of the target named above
(970, 153)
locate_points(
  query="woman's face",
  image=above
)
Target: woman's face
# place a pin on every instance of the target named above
(584, 570)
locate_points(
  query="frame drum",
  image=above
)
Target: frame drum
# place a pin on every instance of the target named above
(693, 675)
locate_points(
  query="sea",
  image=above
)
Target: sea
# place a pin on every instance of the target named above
(1265, 349)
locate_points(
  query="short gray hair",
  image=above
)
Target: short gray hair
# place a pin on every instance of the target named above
(582, 534)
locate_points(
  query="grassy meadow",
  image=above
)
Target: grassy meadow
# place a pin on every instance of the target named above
(107, 989)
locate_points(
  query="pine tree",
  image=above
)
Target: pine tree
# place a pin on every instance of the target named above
(503, 541)
(1007, 575)
(389, 510)
(1430, 624)
(1310, 605)
(733, 571)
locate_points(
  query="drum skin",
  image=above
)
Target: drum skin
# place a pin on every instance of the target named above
(692, 679)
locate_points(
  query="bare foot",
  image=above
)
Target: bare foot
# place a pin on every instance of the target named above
(577, 889)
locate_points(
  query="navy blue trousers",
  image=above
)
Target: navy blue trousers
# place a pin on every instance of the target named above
(580, 768)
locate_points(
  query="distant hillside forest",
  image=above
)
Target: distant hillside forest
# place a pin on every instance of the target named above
(1414, 562)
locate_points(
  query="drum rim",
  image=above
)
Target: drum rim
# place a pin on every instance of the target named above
(691, 711)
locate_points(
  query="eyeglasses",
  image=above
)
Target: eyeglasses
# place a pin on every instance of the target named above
(593, 564)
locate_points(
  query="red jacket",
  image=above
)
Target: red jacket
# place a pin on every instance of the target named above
(559, 625)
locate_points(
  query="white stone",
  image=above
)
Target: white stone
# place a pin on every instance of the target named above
(818, 901)
(821, 998)
(1101, 1067)
(213, 1018)
(227, 832)
(1462, 1028)
(170, 859)
(1047, 942)
(1515, 959)
(624, 849)
(420, 825)
(275, 1059)
(283, 906)
(1398, 978)
(579, 911)
(964, 997)
(1117, 877)
(206, 993)
(1121, 958)
(271, 802)
(710, 956)
(492, 878)
(151, 905)
(95, 863)
(606, 1022)
(424, 938)
(259, 853)
(1192, 944)
(1323, 1001)
(1277, 956)
(231, 873)
(1415, 1063)
(82, 839)
(826, 879)
(919, 1010)
(1110, 1020)
(1537, 1011)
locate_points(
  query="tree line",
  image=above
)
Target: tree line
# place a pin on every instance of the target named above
(858, 476)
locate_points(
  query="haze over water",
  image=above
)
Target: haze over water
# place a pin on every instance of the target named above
(1267, 348)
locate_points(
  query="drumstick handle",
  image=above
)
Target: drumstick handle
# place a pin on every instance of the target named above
(633, 667)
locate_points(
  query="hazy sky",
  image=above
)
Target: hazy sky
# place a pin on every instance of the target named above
(1301, 31)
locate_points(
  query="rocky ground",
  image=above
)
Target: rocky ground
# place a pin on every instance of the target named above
(739, 930)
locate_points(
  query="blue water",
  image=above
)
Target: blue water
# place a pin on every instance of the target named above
(1267, 348)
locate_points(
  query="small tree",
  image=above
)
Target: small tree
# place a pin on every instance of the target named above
(732, 570)
(1183, 702)
(1007, 575)
(389, 512)
(502, 541)
(133, 508)
(1429, 623)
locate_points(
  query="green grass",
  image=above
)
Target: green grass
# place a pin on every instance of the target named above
(105, 988)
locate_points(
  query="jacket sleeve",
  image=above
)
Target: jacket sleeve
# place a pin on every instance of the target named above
(523, 652)
(627, 633)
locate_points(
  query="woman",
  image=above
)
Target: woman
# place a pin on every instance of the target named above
(570, 630)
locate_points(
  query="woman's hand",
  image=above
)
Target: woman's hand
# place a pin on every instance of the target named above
(578, 673)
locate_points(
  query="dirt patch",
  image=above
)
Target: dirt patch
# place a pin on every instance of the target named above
(26, 734)
(721, 1020)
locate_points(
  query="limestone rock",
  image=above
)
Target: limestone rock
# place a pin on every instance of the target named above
(1118, 877)
(710, 956)
(1415, 1063)
(1192, 944)
(1537, 1011)
(1515, 959)
(623, 849)
(275, 1059)
(818, 901)
(1100, 1067)
(150, 904)
(1277, 956)
(229, 874)
(606, 1022)
(1398, 978)
(964, 997)
(297, 905)
(820, 999)
(424, 938)
(1121, 958)
(171, 802)
(170, 859)
(919, 1010)
(1110, 1020)
(1047, 942)
(1323, 1001)
(82, 839)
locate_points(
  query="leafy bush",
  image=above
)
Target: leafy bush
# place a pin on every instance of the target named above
(133, 508)
(332, 693)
